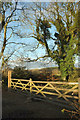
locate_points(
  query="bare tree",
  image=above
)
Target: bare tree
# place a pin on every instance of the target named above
(9, 14)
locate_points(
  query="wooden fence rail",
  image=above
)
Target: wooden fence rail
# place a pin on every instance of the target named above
(65, 90)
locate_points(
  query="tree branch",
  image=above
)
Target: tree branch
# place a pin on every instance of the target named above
(34, 48)
(5, 29)
(7, 19)
(29, 60)
(17, 43)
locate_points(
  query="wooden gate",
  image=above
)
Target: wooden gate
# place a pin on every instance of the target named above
(65, 90)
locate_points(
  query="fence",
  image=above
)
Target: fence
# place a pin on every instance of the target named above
(65, 90)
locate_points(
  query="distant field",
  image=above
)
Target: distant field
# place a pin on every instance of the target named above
(43, 74)
(50, 69)
(45, 70)
(47, 73)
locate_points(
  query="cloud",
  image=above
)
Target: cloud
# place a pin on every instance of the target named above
(39, 64)
(33, 65)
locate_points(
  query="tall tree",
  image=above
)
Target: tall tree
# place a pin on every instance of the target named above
(63, 17)
(9, 15)
(4, 23)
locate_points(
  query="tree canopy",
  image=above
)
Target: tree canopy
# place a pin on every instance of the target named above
(63, 17)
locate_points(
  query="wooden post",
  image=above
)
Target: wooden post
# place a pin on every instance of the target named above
(79, 94)
(30, 85)
(30, 89)
(79, 89)
(9, 79)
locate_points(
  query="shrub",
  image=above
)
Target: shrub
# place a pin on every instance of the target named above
(20, 72)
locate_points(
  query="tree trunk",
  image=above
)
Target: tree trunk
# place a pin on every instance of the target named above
(67, 78)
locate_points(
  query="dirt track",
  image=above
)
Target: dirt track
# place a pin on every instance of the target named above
(16, 105)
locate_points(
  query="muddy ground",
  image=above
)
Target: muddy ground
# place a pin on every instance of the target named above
(19, 105)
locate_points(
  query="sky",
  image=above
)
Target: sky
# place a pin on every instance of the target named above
(21, 51)
(43, 0)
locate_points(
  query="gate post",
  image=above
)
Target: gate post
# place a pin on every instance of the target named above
(9, 78)
(30, 89)
(30, 85)
(79, 92)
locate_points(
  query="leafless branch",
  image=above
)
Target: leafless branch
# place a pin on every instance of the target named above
(35, 48)
(9, 56)
(9, 36)
(14, 20)
(17, 43)
(8, 18)
(29, 60)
